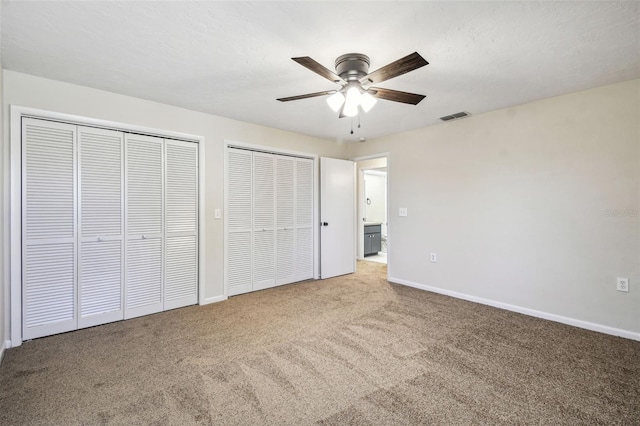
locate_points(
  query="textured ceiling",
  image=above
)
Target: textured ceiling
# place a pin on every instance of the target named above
(233, 58)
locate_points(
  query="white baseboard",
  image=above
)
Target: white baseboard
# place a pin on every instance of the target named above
(531, 312)
(5, 345)
(214, 299)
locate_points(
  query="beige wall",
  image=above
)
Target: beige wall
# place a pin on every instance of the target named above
(535, 206)
(34, 92)
(4, 290)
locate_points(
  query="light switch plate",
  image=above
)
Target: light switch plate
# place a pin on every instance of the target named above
(217, 214)
(402, 211)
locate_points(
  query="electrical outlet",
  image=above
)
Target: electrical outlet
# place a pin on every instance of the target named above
(622, 284)
(402, 211)
(434, 257)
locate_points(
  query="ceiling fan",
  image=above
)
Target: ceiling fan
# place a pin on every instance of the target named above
(352, 73)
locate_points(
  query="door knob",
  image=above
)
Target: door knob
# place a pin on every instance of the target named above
(325, 223)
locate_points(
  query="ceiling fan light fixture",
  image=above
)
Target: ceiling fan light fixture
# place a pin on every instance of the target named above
(352, 101)
(350, 110)
(367, 101)
(335, 101)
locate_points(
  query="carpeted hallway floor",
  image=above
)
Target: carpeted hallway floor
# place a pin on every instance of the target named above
(350, 350)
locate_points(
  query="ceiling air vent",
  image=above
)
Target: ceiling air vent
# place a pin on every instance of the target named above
(455, 116)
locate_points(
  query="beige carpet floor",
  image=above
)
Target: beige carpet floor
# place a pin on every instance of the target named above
(350, 350)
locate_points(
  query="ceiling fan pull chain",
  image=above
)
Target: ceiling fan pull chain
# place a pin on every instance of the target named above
(352, 125)
(358, 121)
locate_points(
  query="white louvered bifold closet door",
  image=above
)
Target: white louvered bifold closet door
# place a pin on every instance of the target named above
(264, 234)
(285, 220)
(101, 224)
(304, 219)
(49, 252)
(239, 218)
(270, 236)
(144, 225)
(181, 224)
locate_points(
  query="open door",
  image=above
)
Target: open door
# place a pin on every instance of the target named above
(337, 217)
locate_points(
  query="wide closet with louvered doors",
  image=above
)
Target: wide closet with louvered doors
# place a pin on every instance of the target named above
(109, 226)
(269, 220)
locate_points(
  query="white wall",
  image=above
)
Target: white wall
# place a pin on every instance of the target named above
(375, 188)
(536, 206)
(4, 277)
(35, 92)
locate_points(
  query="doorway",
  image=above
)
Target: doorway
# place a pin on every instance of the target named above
(373, 230)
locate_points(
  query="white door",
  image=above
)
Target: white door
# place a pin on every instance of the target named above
(337, 217)
(49, 228)
(264, 234)
(285, 220)
(144, 225)
(269, 220)
(181, 219)
(101, 250)
(239, 203)
(304, 219)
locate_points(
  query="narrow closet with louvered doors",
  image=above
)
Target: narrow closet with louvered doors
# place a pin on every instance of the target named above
(109, 226)
(269, 220)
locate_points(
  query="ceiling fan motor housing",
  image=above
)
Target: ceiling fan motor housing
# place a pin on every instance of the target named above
(352, 66)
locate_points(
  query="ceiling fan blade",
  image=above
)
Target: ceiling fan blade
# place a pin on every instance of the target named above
(396, 95)
(319, 69)
(396, 68)
(308, 95)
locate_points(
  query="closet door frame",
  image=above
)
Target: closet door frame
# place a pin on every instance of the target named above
(316, 200)
(14, 222)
